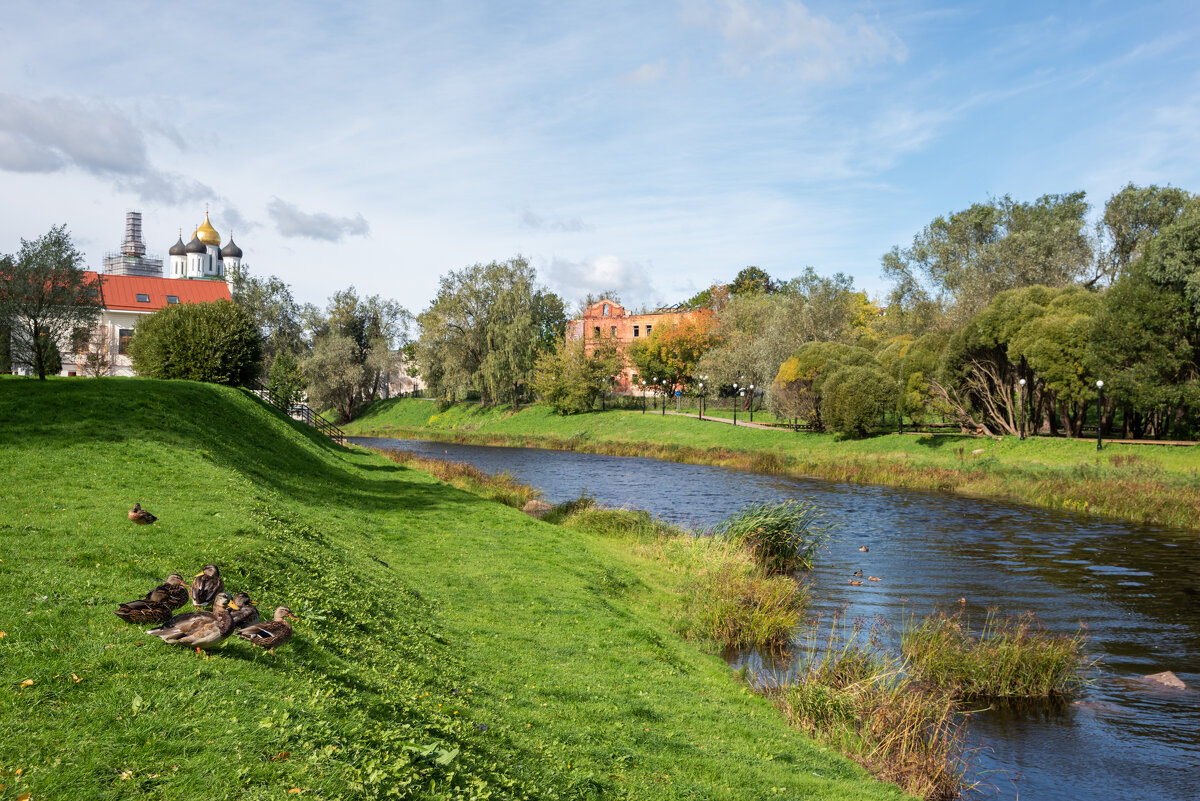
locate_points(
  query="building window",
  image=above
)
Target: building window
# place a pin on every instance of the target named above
(123, 337)
(79, 340)
(172, 298)
(596, 331)
(143, 298)
(605, 309)
(635, 330)
(648, 329)
(613, 330)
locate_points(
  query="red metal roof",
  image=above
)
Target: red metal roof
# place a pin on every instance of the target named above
(121, 291)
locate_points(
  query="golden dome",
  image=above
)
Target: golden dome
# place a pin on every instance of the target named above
(206, 233)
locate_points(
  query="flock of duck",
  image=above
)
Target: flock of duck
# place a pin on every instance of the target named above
(203, 628)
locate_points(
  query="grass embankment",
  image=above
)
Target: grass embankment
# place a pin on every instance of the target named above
(1134, 482)
(447, 647)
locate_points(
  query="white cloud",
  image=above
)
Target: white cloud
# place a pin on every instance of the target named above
(575, 279)
(817, 47)
(533, 221)
(290, 221)
(648, 73)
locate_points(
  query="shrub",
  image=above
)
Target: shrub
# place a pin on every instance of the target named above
(214, 342)
(856, 396)
(285, 381)
(1006, 658)
(783, 536)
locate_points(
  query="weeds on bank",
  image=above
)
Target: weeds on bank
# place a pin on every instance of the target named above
(1006, 658)
(499, 487)
(727, 597)
(784, 537)
(855, 696)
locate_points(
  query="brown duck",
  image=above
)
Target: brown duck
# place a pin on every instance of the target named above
(158, 604)
(199, 629)
(139, 515)
(206, 586)
(245, 613)
(270, 634)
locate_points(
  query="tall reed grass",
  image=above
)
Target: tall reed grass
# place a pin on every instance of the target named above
(855, 696)
(784, 536)
(499, 487)
(1006, 657)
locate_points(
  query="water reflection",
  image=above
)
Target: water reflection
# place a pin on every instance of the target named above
(1136, 588)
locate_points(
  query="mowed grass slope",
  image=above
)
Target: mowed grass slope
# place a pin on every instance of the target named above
(448, 647)
(1158, 484)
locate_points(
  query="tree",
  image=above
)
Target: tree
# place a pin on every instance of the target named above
(856, 396)
(752, 281)
(569, 379)
(275, 312)
(485, 330)
(45, 297)
(286, 381)
(1132, 218)
(800, 384)
(96, 353)
(673, 350)
(356, 346)
(962, 261)
(215, 342)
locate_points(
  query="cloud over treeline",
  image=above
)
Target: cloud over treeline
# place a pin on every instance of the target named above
(291, 221)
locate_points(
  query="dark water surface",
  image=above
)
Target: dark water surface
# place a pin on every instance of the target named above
(1136, 588)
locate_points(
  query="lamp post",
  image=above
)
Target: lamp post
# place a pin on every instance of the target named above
(735, 402)
(701, 400)
(1021, 407)
(664, 403)
(751, 403)
(1099, 414)
(643, 396)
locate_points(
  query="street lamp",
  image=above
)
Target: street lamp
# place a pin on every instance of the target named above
(735, 397)
(701, 400)
(751, 403)
(1099, 414)
(740, 394)
(664, 404)
(1021, 407)
(643, 396)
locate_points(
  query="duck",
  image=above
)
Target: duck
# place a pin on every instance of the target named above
(858, 573)
(855, 583)
(154, 608)
(245, 612)
(863, 548)
(200, 629)
(175, 590)
(206, 586)
(140, 516)
(272, 633)
(874, 578)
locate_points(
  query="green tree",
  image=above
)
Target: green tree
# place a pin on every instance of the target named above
(485, 330)
(286, 380)
(856, 396)
(752, 281)
(215, 342)
(800, 384)
(280, 319)
(45, 297)
(1132, 219)
(962, 261)
(569, 378)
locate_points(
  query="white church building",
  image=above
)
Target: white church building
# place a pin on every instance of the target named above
(203, 256)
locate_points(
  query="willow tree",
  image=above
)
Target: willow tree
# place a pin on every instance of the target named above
(485, 330)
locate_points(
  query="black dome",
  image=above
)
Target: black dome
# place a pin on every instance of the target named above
(231, 250)
(195, 246)
(178, 249)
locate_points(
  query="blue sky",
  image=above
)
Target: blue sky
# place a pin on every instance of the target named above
(645, 147)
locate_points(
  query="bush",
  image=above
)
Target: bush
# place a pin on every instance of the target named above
(856, 397)
(783, 536)
(285, 381)
(214, 342)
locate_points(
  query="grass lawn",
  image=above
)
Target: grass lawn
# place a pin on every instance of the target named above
(1158, 484)
(447, 647)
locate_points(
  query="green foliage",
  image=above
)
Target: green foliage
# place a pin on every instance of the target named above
(45, 296)
(802, 383)
(285, 380)
(275, 312)
(569, 378)
(1005, 658)
(1132, 219)
(856, 396)
(752, 281)
(784, 536)
(213, 342)
(486, 329)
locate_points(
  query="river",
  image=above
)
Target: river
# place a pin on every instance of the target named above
(1136, 588)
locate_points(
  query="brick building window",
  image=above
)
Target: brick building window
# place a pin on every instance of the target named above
(596, 330)
(605, 310)
(613, 330)
(648, 329)
(635, 330)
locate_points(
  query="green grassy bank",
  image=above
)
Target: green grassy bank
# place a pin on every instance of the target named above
(448, 646)
(1147, 483)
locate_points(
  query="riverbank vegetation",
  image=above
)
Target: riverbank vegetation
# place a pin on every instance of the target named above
(1004, 658)
(853, 694)
(447, 646)
(1157, 484)
(784, 537)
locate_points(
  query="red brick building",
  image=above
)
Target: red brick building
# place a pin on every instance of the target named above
(607, 318)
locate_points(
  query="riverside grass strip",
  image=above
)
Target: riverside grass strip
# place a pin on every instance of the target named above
(1139, 483)
(447, 647)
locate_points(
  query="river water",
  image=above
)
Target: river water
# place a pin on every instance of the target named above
(1136, 588)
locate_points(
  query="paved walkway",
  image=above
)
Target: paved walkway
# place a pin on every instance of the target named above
(740, 423)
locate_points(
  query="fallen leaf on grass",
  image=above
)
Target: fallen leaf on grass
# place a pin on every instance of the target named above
(294, 791)
(26, 683)
(24, 796)
(126, 775)
(282, 756)
(3, 634)
(76, 678)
